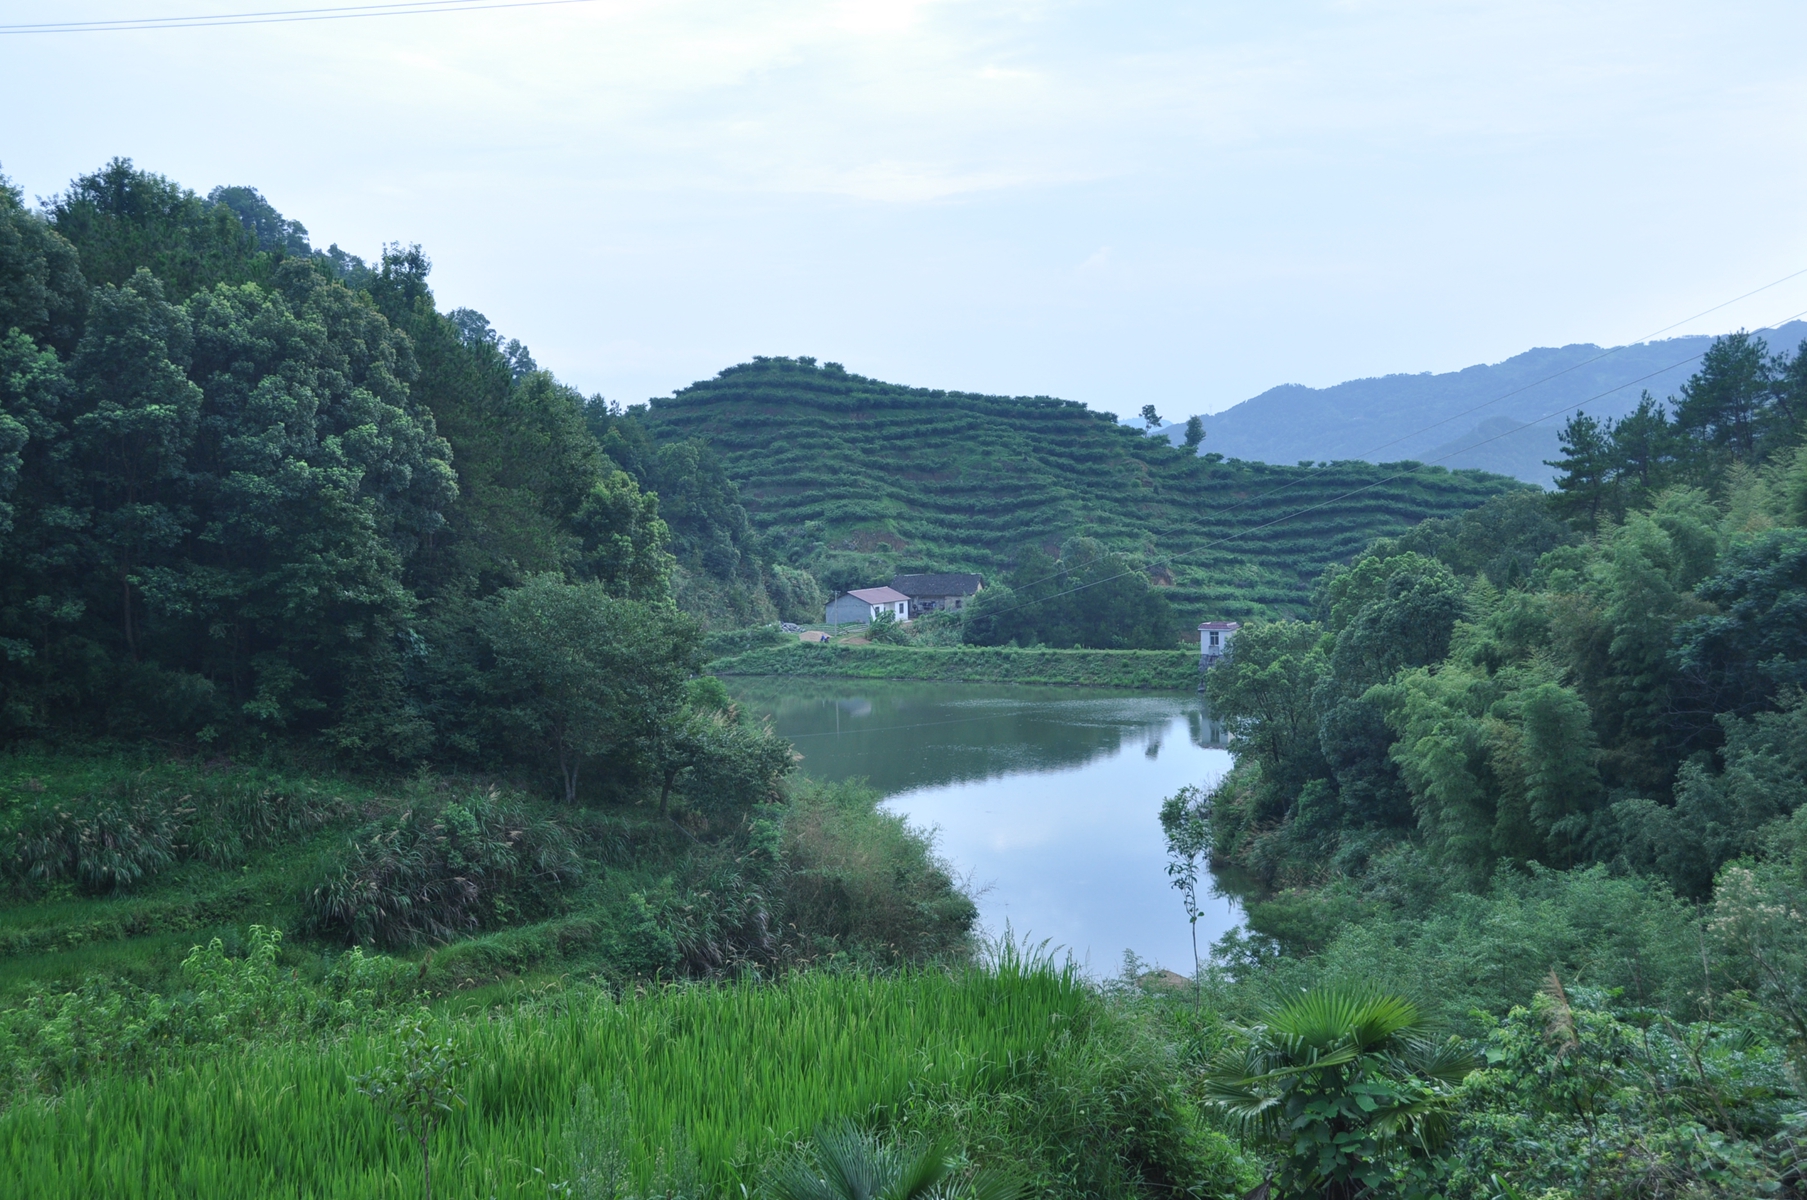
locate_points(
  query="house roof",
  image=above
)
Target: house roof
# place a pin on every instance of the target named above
(1220, 625)
(878, 595)
(938, 585)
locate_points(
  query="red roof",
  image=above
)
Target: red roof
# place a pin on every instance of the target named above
(878, 595)
(1219, 625)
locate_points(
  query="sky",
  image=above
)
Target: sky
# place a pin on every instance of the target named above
(1119, 203)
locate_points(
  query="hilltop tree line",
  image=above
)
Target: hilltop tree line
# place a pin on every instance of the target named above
(254, 490)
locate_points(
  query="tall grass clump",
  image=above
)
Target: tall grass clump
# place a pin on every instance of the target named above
(728, 1078)
(861, 879)
(131, 826)
(442, 868)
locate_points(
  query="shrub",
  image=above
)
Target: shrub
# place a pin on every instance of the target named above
(722, 643)
(435, 871)
(1578, 1100)
(861, 879)
(124, 833)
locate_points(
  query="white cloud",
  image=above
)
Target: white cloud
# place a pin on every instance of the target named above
(646, 191)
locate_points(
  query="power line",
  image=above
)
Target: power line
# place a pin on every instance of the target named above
(401, 8)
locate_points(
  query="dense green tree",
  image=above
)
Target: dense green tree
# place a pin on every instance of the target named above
(1195, 432)
(122, 220)
(1264, 692)
(132, 436)
(274, 232)
(1586, 486)
(1726, 403)
(578, 673)
(1088, 597)
(42, 292)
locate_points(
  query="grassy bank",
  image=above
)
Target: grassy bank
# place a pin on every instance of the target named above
(696, 1090)
(1164, 669)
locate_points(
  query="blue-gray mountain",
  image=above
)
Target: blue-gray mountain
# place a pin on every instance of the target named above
(1426, 417)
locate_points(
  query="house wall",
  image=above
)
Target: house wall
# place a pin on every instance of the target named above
(848, 610)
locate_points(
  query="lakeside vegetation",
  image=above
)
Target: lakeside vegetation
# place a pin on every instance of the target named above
(1156, 669)
(1543, 777)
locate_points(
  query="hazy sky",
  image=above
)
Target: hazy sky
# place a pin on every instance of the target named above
(1113, 202)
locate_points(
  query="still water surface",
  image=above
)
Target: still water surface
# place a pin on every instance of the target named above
(1046, 799)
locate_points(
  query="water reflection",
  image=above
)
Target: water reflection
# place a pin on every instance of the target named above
(1035, 792)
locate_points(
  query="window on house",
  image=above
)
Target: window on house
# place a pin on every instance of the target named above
(1214, 637)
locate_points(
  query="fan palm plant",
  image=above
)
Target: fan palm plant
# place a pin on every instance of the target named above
(1350, 1087)
(851, 1164)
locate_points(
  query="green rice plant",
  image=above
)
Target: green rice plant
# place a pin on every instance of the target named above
(742, 1071)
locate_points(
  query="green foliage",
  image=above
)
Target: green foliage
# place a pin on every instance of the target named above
(579, 673)
(50, 1040)
(1349, 1088)
(1164, 669)
(741, 1070)
(886, 630)
(1089, 598)
(1186, 824)
(125, 832)
(861, 882)
(434, 872)
(1579, 1100)
(847, 1163)
(417, 1087)
(853, 480)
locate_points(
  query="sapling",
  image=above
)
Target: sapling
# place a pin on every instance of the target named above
(417, 1088)
(1185, 819)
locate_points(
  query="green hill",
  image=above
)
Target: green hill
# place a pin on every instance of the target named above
(853, 478)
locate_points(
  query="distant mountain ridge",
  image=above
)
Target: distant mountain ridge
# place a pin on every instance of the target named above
(1425, 416)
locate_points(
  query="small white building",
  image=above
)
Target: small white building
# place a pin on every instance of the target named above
(862, 606)
(1214, 641)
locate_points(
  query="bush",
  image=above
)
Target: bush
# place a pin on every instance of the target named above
(860, 880)
(53, 1039)
(1581, 1101)
(724, 642)
(439, 870)
(124, 832)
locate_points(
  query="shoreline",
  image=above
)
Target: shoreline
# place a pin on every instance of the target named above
(1142, 670)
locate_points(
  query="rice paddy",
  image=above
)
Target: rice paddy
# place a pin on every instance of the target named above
(730, 1074)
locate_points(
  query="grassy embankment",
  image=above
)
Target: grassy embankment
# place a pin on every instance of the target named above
(117, 863)
(700, 1087)
(1162, 669)
(852, 477)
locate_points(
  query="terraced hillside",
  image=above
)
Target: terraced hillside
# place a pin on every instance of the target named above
(852, 476)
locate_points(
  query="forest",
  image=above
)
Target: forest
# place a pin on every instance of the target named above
(370, 822)
(1539, 769)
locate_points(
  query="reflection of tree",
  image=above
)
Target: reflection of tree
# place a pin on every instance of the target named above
(1207, 734)
(917, 734)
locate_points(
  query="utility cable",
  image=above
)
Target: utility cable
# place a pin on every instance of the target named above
(400, 8)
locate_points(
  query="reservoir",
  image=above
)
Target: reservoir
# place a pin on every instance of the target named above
(1045, 800)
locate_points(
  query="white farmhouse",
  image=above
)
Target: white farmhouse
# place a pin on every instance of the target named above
(1214, 641)
(862, 606)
